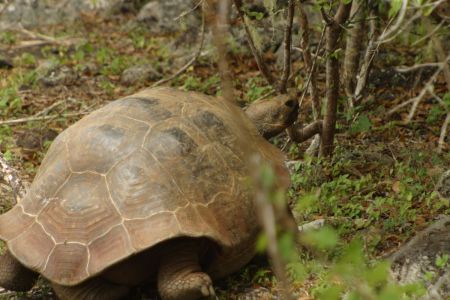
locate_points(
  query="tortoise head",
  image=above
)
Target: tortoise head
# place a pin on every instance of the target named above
(272, 116)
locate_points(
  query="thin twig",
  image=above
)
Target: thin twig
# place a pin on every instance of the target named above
(415, 67)
(429, 34)
(258, 58)
(440, 53)
(392, 30)
(41, 118)
(190, 62)
(312, 70)
(287, 46)
(45, 38)
(267, 218)
(47, 109)
(304, 24)
(424, 90)
(444, 126)
(384, 38)
(10, 176)
(5, 6)
(183, 14)
(371, 51)
(443, 134)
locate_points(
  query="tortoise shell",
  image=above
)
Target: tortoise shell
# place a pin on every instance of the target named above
(143, 169)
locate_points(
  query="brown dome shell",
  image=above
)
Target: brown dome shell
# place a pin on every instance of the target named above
(143, 169)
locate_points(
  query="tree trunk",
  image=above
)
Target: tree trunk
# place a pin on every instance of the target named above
(333, 32)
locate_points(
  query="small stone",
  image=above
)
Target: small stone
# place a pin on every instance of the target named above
(58, 75)
(139, 73)
(443, 186)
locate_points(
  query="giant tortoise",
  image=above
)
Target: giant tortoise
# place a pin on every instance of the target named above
(152, 187)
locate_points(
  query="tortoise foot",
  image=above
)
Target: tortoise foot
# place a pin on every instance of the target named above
(192, 286)
(94, 289)
(14, 276)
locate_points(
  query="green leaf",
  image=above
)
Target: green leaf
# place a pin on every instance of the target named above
(331, 293)
(378, 274)
(261, 243)
(446, 100)
(325, 238)
(362, 124)
(395, 7)
(441, 261)
(256, 15)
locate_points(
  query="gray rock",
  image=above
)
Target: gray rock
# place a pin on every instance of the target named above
(139, 73)
(32, 13)
(416, 259)
(163, 17)
(52, 74)
(443, 186)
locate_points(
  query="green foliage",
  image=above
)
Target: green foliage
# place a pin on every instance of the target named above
(255, 88)
(435, 114)
(192, 83)
(442, 261)
(26, 60)
(361, 124)
(323, 239)
(116, 66)
(395, 7)
(8, 37)
(9, 100)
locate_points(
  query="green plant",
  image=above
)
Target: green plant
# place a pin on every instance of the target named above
(8, 37)
(256, 87)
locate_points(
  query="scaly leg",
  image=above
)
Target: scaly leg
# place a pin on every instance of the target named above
(93, 289)
(14, 276)
(180, 276)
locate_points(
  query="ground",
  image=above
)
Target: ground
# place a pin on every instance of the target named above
(378, 189)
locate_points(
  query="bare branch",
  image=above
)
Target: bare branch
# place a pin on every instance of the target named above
(427, 87)
(400, 16)
(287, 46)
(191, 61)
(443, 134)
(268, 219)
(217, 16)
(353, 48)
(312, 72)
(10, 176)
(416, 66)
(371, 51)
(440, 53)
(310, 65)
(416, 100)
(430, 34)
(259, 60)
(393, 32)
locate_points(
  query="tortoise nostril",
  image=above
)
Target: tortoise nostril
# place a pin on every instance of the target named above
(290, 103)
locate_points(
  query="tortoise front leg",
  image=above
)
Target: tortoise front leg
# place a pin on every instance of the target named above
(14, 276)
(180, 276)
(93, 289)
